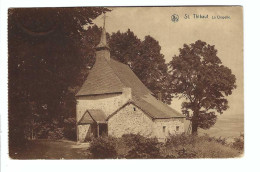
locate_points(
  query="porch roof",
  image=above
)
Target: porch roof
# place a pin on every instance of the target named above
(93, 115)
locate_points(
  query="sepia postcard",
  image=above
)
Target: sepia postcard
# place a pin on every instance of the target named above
(125, 82)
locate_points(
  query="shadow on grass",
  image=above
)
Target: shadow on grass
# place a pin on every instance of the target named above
(50, 149)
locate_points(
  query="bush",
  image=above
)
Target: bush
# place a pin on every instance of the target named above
(56, 133)
(221, 140)
(206, 137)
(103, 148)
(50, 131)
(135, 146)
(239, 143)
(89, 138)
(184, 153)
(141, 147)
(180, 140)
(70, 129)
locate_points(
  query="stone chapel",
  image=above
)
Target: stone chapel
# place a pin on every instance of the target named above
(113, 101)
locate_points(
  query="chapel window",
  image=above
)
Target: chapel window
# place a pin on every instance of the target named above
(177, 128)
(164, 127)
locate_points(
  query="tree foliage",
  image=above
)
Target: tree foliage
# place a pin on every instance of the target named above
(45, 66)
(50, 54)
(197, 74)
(144, 58)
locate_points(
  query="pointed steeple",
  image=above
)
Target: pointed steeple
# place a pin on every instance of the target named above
(103, 40)
(102, 49)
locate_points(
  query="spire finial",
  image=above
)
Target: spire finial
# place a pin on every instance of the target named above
(104, 24)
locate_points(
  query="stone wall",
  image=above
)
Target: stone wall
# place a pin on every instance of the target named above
(131, 119)
(83, 131)
(109, 103)
(128, 120)
(163, 127)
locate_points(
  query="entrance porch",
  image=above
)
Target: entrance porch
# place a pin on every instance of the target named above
(92, 124)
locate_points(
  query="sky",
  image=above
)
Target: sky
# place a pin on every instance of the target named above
(225, 34)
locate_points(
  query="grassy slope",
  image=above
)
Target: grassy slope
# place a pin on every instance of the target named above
(202, 146)
(48, 149)
(213, 150)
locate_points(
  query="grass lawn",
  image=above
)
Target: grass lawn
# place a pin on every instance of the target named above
(50, 149)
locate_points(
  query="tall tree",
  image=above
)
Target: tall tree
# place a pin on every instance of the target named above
(90, 39)
(144, 58)
(197, 74)
(44, 47)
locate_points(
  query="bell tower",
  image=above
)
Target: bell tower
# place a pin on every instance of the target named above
(102, 49)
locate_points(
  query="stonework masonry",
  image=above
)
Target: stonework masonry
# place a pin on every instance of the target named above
(163, 127)
(108, 103)
(83, 131)
(128, 120)
(131, 119)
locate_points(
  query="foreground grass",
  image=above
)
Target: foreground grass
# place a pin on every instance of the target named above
(202, 149)
(50, 149)
(130, 147)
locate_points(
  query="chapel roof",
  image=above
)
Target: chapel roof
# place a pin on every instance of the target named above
(110, 76)
(155, 108)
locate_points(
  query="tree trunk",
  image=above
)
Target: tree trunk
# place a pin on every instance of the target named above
(195, 122)
(194, 130)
